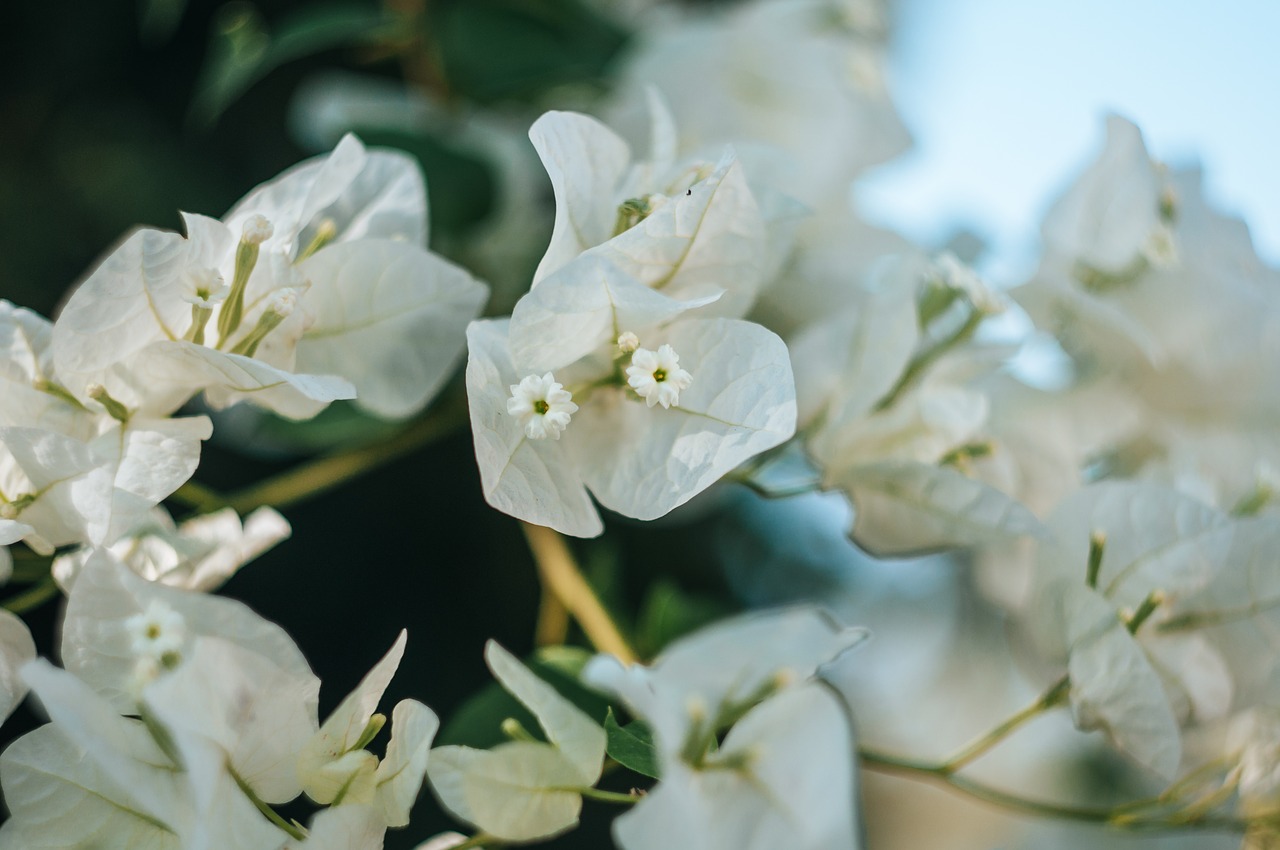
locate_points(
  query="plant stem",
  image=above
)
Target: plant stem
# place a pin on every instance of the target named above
(477, 840)
(270, 813)
(560, 575)
(1117, 817)
(32, 597)
(323, 474)
(1055, 695)
(553, 620)
(608, 796)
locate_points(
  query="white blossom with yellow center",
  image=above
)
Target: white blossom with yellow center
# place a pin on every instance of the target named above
(656, 376)
(542, 405)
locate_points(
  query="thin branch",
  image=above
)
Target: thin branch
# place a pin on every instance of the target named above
(560, 574)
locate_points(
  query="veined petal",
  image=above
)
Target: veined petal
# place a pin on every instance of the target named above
(132, 299)
(586, 162)
(584, 305)
(705, 240)
(533, 480)
(644, 462)
(391, 318)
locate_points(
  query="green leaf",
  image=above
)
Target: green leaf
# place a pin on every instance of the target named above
(670, 612)
(631, 746)
(506, 49)
(242, 51)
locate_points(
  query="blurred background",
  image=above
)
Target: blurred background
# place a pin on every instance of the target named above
(122, 112)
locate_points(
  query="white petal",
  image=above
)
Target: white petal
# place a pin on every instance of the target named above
(96, 642)
(1156, 539)
(725, 663)
(133, 298)
(533, 480)
(644, 462)
(58, 798)
(1104, 220)
(400, 774)
(228, 378)
(903, 506)
(699, 244)
(343, 728)
(798, 789)
(1113, 685)
(16, 648)
(291, 200)
(349, 827)
(386, 200)
(505, 791)
(581, 739)
(584, 305)
(258, 715)
(848, 362)
(586, 162)
(391, 318)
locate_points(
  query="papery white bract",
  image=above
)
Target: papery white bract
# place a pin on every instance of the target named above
(523, 790)
(786, 770)
(692, 232)
(639, 460)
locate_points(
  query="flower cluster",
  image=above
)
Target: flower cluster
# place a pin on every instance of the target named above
(710, 310)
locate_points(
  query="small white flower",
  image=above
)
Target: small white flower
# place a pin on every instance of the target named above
(257, 229)
(157, 633)
(628, 342)
(542, 405)
(959, 277)
(206, 288)
(657, 377)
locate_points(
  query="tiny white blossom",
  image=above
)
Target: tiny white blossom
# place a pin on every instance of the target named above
(543, 406)
(206, 288)
(959, 277)
(257, 229)
(157, 632)
(628, 342)
(656, 376)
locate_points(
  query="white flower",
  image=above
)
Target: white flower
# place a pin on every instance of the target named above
(158, 632)
(959, 277)
(636, 459)
(692, 230)
(330, 295)
(784, 774)
(542, 405)
(206, 288)
(523, 790)
(657, 377)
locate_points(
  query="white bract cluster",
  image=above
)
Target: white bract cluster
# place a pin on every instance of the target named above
(621, 353)
(181, 718)
(314, 287)
(783, 775)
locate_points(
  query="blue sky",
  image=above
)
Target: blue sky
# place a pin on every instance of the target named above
(1006, 99)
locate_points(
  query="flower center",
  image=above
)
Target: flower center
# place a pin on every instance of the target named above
(659, 375)
(540, 407)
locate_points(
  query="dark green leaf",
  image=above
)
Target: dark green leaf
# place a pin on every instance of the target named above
(631, 746)
(670, 612)
(242, 50)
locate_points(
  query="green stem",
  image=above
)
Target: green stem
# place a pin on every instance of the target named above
(478, 840)
(1116, 817)
(928, 357)
(776, 492)
(559, 574)
(270, 813)
(323, 474)
(32, 597)
(607, 796)
(1054, 696)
